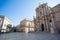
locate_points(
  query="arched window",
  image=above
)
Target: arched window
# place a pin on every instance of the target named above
(50, 20)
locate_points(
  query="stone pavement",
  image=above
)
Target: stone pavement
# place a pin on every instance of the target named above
(29, 36)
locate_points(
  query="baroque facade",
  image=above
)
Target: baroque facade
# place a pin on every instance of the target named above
(47, 18)
(26, 25)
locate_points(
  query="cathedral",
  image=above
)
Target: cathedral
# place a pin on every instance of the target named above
(47, 19)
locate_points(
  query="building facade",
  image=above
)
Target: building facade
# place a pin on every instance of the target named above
(46, 17)
(5, 23)
(26, 25)
(56, 11)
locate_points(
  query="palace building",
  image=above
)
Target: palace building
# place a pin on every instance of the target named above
(47, 18)
(26, 25)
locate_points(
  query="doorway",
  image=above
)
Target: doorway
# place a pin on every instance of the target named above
(42, 27)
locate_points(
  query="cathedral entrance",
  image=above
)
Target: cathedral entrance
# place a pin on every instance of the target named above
(42, 27)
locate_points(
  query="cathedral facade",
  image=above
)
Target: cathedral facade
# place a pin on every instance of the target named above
(47, 18)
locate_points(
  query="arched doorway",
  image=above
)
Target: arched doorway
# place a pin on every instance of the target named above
(42, 27)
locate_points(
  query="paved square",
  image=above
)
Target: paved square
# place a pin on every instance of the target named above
(29, 36)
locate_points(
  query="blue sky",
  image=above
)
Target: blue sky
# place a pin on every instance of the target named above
(17, 10)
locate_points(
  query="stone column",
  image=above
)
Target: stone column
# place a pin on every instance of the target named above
(40, 25)
(47, 29)
(37, 26)
(44, 25)
(44, 20)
